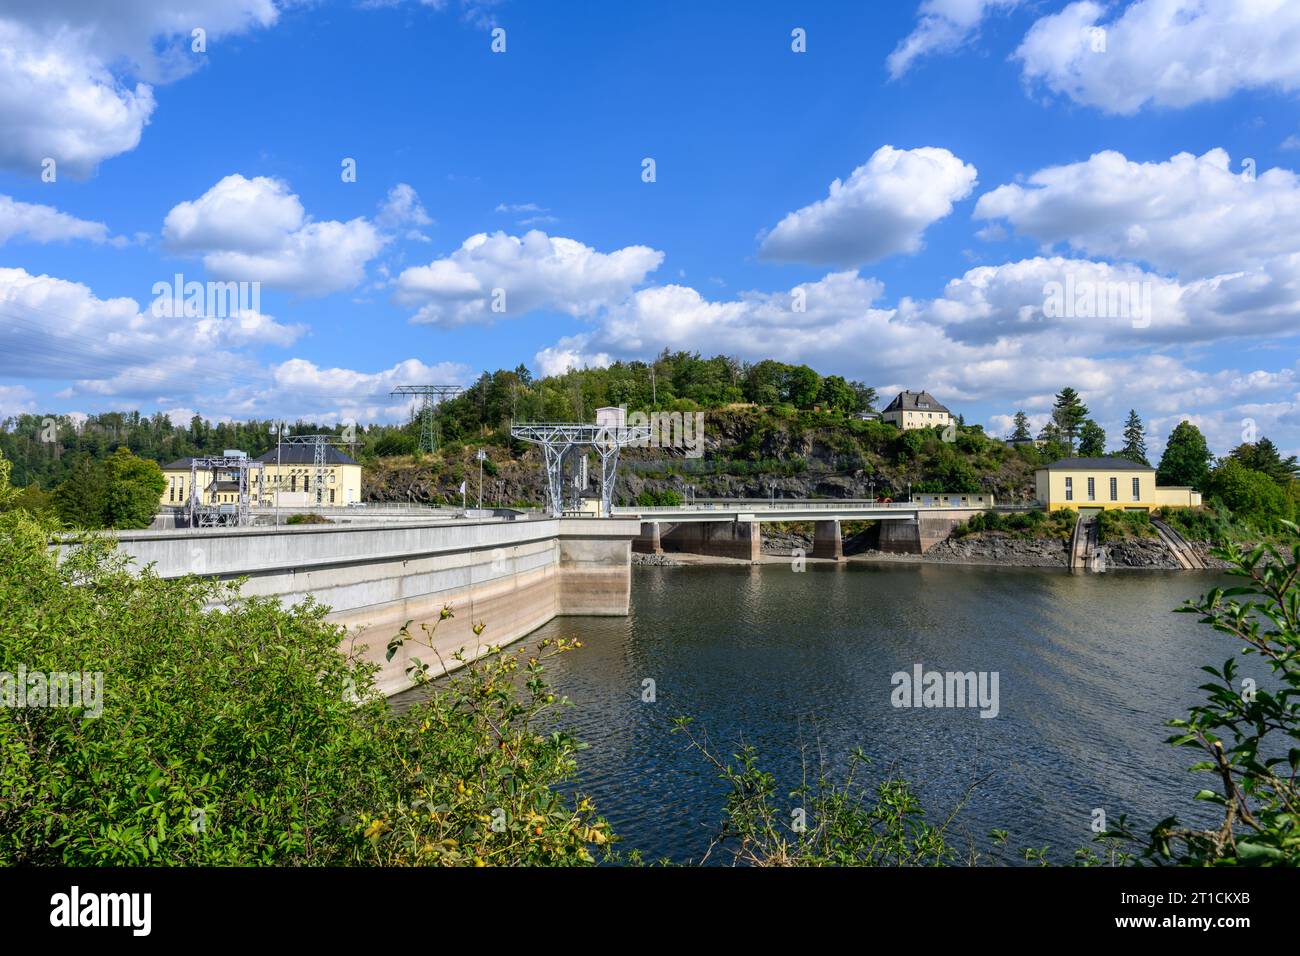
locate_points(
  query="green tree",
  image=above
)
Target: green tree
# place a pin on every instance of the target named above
(82, 497)
(1135, 442)
(1092, 440)
(1069, 414)
(802, 385)
(1055, 444)
(1263, 456)
(837, 394)
(1251, 496)
(7, 494)
(1186, 461)
(1021, 430)
(866, 396)
(135, 487)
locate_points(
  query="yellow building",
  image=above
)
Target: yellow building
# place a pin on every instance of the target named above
(916, 410)
(294, 476)
(1096, 484)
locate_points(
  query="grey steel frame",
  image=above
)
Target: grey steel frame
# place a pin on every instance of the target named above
(559, 439)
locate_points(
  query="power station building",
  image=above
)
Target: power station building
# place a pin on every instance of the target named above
(288, 480)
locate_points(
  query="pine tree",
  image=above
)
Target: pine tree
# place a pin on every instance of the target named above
(1069, 414)
(80, 500)
(1263, 456)
(1135, 441)
(1021, 432)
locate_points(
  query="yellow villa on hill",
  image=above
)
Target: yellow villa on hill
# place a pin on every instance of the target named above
(294, 477)
(916, 410)
(1097, 484)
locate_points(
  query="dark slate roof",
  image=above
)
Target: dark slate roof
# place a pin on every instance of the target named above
(289, 455)
(1109, 462)
(913, 402)
(302, 455)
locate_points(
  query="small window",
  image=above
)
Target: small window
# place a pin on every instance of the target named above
(1137, 490)
(1069, 489)
(1092, 489)
(1114, 489)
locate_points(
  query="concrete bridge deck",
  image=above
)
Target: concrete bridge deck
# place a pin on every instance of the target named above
(731, 527)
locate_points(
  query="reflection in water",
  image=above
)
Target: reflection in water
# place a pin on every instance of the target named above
(799, 665)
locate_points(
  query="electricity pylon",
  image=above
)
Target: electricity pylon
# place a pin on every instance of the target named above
(429, 430)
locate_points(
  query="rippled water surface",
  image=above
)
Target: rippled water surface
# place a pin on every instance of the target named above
(1089, 669)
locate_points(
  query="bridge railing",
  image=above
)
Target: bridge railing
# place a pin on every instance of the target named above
(765, 505)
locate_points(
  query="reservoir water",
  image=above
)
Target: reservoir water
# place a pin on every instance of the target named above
(1089, 668)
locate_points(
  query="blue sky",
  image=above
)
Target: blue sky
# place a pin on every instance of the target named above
(1008, 153)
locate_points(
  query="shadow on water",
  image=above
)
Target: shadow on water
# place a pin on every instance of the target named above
(1089, 669)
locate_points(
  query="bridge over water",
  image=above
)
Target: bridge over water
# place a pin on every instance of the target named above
(730, 527)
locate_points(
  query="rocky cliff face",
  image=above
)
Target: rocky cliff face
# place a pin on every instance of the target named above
(745, 456)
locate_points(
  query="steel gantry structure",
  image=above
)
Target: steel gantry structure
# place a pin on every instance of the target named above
(240, 469)
(319, 445)
(559, 440)
(429, 431)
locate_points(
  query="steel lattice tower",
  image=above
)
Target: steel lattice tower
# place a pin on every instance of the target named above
(559, 440)
(319, 445)
(429, 431)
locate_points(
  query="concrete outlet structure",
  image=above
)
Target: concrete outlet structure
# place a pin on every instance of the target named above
(513, 576)
(723, 539)
(918, 535)
(648, 542)
(827, 542)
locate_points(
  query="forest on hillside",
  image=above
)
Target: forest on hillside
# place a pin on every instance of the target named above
(45, 449)
(767, 420)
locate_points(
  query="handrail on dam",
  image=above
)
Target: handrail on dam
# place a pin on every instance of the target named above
(788, 504)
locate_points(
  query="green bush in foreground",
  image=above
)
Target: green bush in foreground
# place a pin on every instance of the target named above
(243, 736)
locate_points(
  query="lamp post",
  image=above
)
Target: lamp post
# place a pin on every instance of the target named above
(277, 429)
(482, 457)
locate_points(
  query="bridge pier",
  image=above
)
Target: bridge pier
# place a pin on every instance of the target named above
(721, 539)
(827, 540)
(648, 541)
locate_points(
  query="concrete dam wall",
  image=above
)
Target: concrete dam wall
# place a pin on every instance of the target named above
(513, 576)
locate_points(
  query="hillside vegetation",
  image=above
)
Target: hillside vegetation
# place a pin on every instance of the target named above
(770, 429)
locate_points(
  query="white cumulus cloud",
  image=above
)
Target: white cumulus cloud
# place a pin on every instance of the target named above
(256, 230)
(38, 223)
(942, 26)
(1194, 215)
(75, 76)
(532, 271)
(882, 209)
(1163, 53)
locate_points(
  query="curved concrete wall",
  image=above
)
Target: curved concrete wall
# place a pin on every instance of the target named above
(512, 575)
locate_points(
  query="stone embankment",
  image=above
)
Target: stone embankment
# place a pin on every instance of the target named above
(994, 548)
(640, 560)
